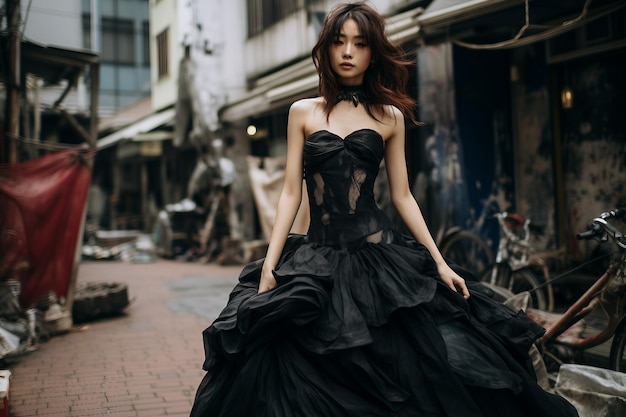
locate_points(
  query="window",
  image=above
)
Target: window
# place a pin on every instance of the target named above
(118, 41)
(264, 13)
(87, 31)
(162, 54)
(145, 43)
(600, 35)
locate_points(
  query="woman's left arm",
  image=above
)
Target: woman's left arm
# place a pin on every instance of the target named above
(407, 207)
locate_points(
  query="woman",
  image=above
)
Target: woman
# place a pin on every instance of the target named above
(354, 319)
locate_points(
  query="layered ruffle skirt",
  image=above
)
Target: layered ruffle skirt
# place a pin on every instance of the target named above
(367, 332)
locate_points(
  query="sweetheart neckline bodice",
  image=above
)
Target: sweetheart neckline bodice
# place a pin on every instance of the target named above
(340, 173)
(343, 138)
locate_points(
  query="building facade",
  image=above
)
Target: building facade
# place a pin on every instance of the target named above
(520, 104)
(119, 31)
(518, 99)
(532, 94)
(273, 64)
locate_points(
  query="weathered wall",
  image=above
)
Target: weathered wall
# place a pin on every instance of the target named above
(594, 143)
(483, 107)
(464, 159)
(440, 182)
(534, 144)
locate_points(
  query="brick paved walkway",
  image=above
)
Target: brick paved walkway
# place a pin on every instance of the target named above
(146, 363)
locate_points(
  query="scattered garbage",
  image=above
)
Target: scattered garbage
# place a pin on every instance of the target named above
(9, 342)
(16, 327)
(144, 250)
(21, 331)
(113, 245)
(98, 253)
(593, 391)
(49, 317)
(5, 378)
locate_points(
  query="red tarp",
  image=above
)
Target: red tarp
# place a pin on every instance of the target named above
(41, 207)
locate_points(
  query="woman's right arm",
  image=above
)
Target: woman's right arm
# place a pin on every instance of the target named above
(291, 195)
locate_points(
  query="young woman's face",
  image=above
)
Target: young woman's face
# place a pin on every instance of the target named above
(349, 54)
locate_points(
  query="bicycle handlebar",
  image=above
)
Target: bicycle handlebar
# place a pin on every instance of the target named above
(618, 213)
(594, 230)
(601, 229)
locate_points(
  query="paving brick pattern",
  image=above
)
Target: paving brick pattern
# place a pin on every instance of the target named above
(145, 363)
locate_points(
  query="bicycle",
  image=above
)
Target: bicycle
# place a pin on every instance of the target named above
(513, 269)
(606, 297)
(466, 247)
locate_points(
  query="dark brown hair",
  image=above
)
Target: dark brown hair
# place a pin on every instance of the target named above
(384, 81)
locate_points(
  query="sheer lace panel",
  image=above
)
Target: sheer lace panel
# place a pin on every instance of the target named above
(375, 237)
(358, 177)
(382, 236)
(318, 195)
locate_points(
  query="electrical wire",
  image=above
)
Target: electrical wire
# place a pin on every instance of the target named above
(518, 40)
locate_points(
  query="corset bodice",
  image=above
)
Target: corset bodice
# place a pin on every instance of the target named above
(340, 175)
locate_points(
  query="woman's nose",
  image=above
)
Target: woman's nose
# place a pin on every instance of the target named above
(347, 51)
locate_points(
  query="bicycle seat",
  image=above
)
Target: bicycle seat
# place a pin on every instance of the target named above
(514, 219)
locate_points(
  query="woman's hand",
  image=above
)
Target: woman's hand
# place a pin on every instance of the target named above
(267, 281)
(452, 280)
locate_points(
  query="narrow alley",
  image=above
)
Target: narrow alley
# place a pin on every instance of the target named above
(146, 362)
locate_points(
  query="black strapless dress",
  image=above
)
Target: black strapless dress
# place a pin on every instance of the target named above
(360, 324)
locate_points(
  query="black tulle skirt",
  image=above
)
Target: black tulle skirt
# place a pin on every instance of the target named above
(369, 332)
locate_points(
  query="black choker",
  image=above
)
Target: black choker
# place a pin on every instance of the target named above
(352, 93)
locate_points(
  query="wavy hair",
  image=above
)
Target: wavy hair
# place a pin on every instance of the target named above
(385, 79)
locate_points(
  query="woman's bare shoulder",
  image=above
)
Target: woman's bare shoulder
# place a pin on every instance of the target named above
(391, 121)
(304, 112)
(393, 114)
(306, 104)
(301, 113)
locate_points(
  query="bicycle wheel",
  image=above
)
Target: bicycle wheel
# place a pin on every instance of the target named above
(469, 251)
(518, 281)
(617, 359)
(526, 280)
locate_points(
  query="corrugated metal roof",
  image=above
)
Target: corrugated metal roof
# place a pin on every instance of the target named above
(51, 63)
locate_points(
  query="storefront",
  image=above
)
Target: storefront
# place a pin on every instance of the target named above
(527, 96)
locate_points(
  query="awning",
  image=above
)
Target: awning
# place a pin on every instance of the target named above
(142, 126)
(300, 80)
(268, 99)
(154, 136)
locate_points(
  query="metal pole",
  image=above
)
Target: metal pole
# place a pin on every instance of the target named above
(13, 80)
